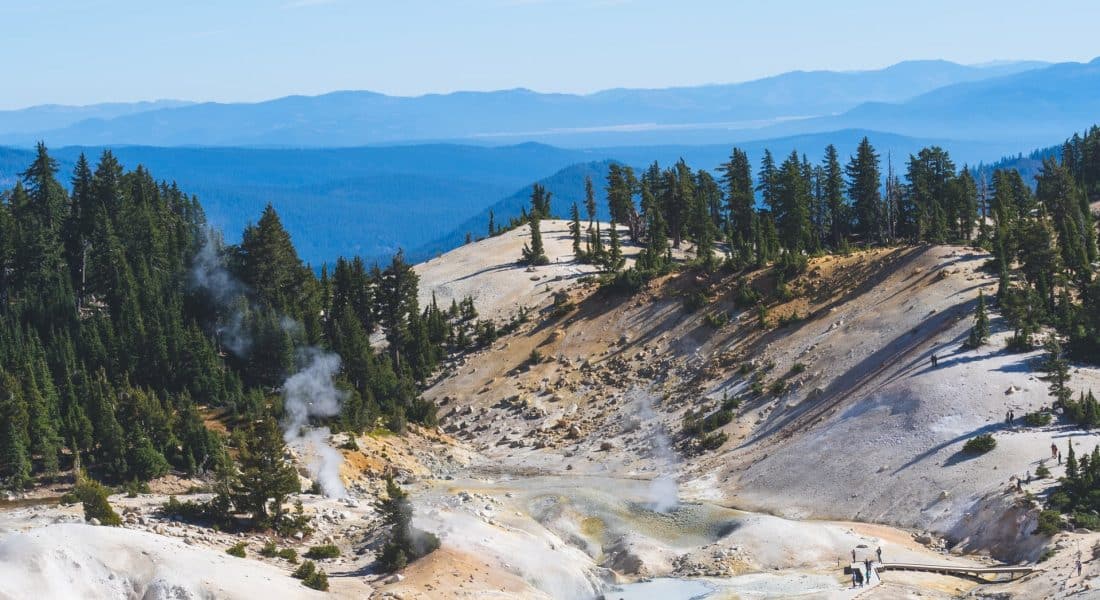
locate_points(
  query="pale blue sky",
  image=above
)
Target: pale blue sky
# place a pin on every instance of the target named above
(85, 51)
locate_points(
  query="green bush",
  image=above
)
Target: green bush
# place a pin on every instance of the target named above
(236, 550)
(1037, 419)
(322, 552)
(746, 296)
(1086, 520)
(713, 440)
(1042, 472)
(304, 570)
(694, 301)
(535, 357)
(797, 368)
(289, 555)
(777, 387)
(318, 581)
(135, 487)
(980, 444)
(269, 550)
(94, 497)
(1050, 523)
(718, 319)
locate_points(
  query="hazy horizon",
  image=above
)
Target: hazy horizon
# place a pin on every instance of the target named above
(310, 47)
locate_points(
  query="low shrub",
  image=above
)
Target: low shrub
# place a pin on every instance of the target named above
(304, 570)
(980, 444)
(713, 440)
(1042, 472)
(1086, 520)
(93, 495)
(1050, 522)
(318, 581)
(1038, 419)
(236, 550)
(694, 301)
(718, 319)
(322, 552)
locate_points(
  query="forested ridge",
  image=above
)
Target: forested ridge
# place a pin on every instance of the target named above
(1042, 235)
(122, 318)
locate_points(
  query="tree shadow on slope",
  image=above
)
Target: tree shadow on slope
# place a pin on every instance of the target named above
(856, 379)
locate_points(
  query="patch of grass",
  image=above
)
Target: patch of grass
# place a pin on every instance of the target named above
(980, 444)
(797, 368)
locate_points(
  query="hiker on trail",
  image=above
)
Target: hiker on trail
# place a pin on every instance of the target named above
(853, 555)
(1007, 413)
(854, 571)
(1029, 477)
(934, 361)
(870, 569)
(878, 552)
(1059, 458)
(1053, 450)
(859, 576)
(1011, 416)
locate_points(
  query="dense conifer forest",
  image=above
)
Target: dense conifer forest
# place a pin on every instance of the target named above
(125, 323)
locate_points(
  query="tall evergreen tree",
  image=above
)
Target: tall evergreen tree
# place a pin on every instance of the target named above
(863, 190)
(833, 192)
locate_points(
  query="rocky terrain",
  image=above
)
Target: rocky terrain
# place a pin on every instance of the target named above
(571, 476)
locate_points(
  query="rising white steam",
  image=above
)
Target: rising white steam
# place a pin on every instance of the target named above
(312, 392)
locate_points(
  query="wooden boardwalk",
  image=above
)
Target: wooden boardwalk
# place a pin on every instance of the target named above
(982, 573)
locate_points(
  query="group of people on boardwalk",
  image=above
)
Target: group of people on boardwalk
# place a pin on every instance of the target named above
(864, 576)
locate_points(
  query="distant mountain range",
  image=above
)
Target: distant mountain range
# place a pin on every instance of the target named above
(425, 197)
(1029, 108)
(694, 115)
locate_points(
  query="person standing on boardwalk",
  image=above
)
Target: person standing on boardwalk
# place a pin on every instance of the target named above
(870, 569)
(878, 553)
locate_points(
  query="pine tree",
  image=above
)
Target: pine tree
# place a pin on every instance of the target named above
(740, 198)
(265, 478)
(15, 459)
(1057, 372)
(534, 254)
(863, 190)
(575, 231)
(614, 260)
(833, 192)
(492, 224)
(980, 332)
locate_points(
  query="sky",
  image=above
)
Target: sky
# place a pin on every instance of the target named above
(89, 51)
